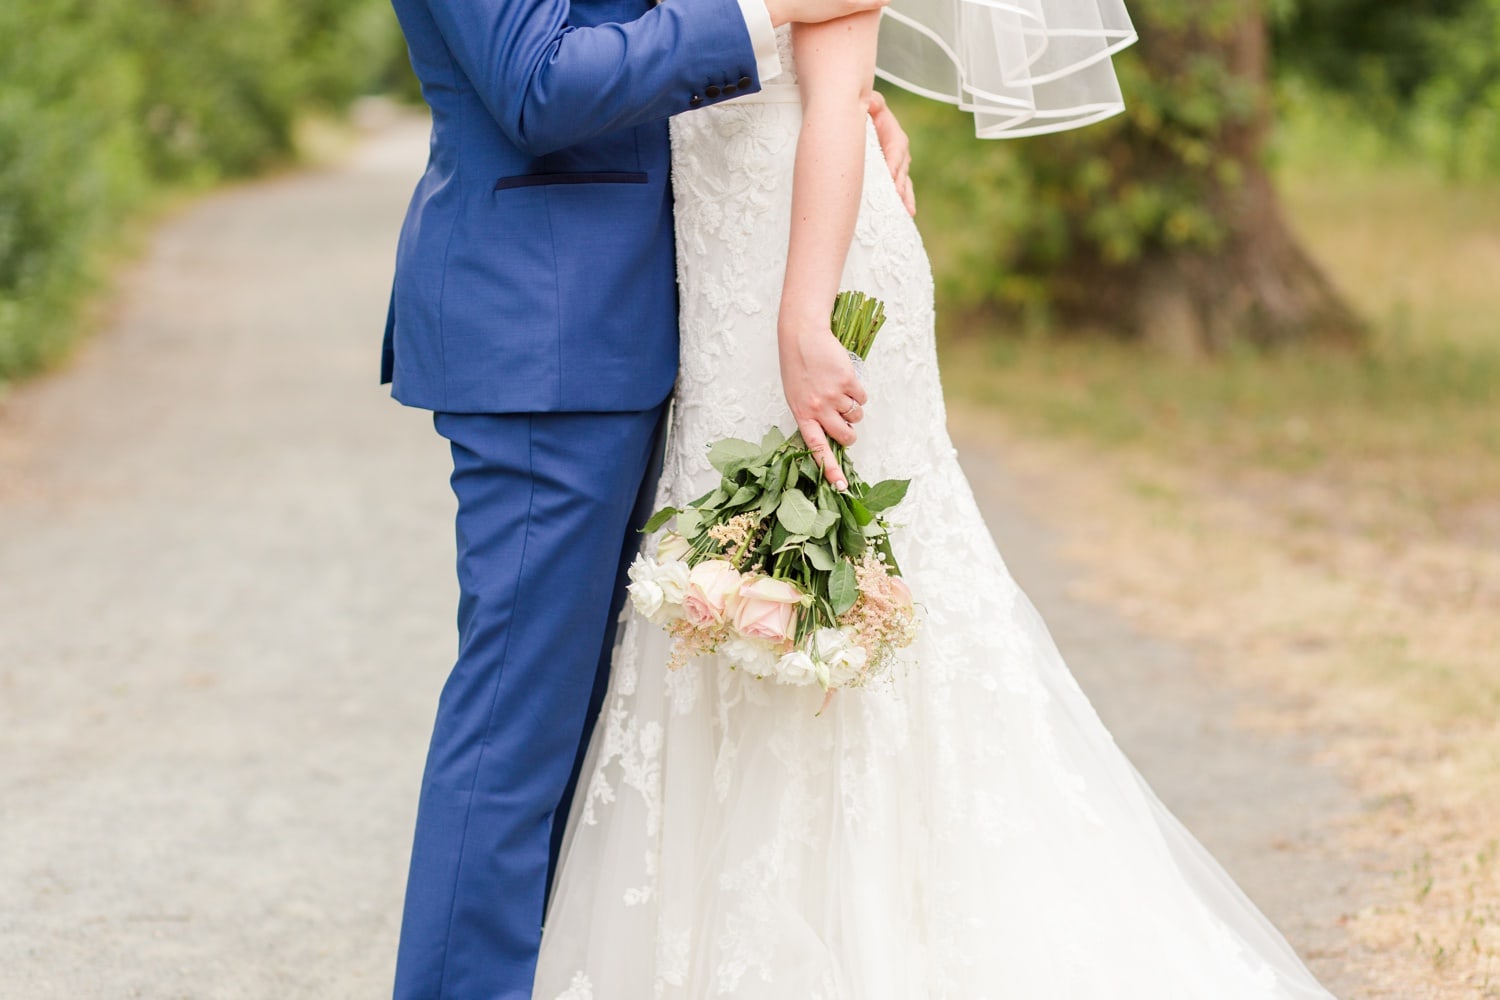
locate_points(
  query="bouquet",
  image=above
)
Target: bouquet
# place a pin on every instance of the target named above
(774, 569)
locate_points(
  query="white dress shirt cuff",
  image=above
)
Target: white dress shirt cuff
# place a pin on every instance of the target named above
(762, 39)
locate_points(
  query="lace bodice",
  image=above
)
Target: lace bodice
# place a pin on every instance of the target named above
(788, 74)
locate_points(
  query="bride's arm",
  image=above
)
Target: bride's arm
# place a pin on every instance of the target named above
(836, 73)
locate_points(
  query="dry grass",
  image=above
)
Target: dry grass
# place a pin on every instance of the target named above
(1326, 523)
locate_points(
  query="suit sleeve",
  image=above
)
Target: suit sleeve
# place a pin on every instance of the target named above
(549, 86)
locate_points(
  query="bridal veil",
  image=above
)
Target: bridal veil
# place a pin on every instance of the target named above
(1023, 67)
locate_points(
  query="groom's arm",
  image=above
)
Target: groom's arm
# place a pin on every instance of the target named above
(549, 86)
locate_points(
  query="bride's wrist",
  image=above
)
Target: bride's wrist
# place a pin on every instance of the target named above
(798, 325)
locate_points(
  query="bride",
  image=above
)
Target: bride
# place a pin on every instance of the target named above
(967, 828)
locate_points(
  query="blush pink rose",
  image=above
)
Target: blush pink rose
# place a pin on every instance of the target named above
(713, 586)
(900, 592)
(767, 609)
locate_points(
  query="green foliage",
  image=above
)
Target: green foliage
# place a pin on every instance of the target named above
(1417, 406)
(1458, 107)
(773, 513)
(1426, 73)
(1025, 223)
(1379, 49)
(1044, 223)
(70, 160)
(103, 102)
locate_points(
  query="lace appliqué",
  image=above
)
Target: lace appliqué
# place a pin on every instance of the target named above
(580, 989)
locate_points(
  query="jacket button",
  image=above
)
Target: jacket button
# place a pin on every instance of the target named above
(711, 91)
(694, 101)
(745, 82)
(728, 89)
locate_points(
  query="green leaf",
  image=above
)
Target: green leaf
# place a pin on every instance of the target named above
(772, 440)
(775, 480)
(658, 519)
(843, 587)
(851, 540)
(791, 542)
(824, 520)
(886, 494)
(819, 556)
(743, 495)
(796, 513)
(729, 451)
(849, 534)
(689, 523)
(860, 513)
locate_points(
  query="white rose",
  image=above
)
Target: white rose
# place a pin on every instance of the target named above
(672, 547)
(827, 643)
(796, 668)
(672, 578)
(838, 660)
(750, 655)
(647, 598)
(646, 593)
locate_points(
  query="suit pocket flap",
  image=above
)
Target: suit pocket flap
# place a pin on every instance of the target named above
(538, 180)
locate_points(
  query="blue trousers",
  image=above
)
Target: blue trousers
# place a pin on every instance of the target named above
(548, 507)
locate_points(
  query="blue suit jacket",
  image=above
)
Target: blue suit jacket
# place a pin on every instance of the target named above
(535, 269)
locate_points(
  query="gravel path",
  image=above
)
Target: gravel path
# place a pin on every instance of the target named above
(225, 612)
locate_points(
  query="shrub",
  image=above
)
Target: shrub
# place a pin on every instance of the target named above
(104, 101)
(1425, 73)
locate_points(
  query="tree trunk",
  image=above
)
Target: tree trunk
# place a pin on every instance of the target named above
(1255, 284)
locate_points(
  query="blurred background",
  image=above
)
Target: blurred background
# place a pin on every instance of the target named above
(1244, 339)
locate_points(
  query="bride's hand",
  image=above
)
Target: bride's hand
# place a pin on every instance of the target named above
(896, 148)
(823, 391)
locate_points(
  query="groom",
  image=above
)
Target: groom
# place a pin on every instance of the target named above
(535, 312)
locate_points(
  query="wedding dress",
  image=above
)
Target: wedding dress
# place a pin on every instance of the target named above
(965, 830)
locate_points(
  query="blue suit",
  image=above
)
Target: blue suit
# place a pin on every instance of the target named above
(535, 268)
(535, 311)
